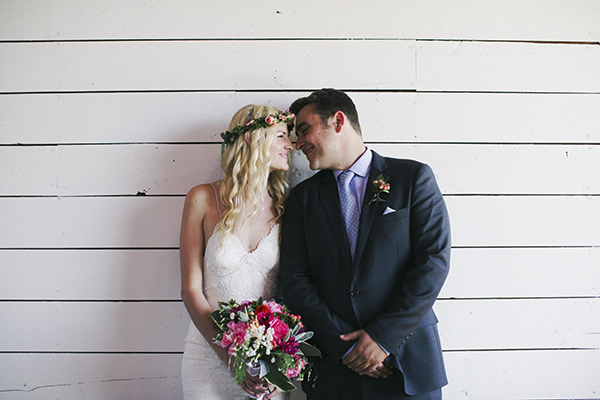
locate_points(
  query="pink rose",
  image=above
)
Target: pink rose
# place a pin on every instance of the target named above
(270, 120)
(280, 329)
(234, 337)
(274, 307)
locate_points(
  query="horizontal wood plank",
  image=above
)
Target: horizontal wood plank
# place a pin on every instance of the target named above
(174, 169)
(93, 326)
(143, 221)
(115, 66)
(524, 221)
(482, 375)
(385, 117)
(162, 326)
(510, 67)
(519, 375)
(519, 324)
(154, 274)
(89, 275)
(523, 272)
(62, 20)
(395, 64)
(90, 376)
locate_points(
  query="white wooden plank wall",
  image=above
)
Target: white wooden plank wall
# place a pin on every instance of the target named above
(110, 112)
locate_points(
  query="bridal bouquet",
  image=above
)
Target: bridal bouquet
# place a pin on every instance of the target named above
(257, 332)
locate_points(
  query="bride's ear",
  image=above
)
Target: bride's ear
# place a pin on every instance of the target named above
(247, 138)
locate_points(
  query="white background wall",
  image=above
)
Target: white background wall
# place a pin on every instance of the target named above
(110, 111)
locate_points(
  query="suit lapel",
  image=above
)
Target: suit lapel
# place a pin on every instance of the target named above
(368, 212)
(330, 201)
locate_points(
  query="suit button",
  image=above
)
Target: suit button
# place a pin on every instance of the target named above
(354, 293)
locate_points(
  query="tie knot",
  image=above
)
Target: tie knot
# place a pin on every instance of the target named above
(345, 177)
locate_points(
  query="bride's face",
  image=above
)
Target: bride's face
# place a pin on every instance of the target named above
(280, 147)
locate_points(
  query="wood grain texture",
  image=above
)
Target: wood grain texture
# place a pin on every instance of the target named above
(154, 274)
(483, 20)
(523, 272)
(89, 275)
(117, 66)
(90, 376)
(376, 64)
(143, 221)
(404, 117)
(567, 374)
(172, 169)
(133, 327)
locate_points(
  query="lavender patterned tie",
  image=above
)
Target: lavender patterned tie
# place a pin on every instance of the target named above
(349, 208)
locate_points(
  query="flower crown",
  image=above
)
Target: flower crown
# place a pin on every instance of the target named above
(257, 123)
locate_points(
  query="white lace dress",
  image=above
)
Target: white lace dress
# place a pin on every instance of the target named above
(230, 272)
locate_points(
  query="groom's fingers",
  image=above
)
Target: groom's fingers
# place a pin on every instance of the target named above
(352, 335)
(365, 356)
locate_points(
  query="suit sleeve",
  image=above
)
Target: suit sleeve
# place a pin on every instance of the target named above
(300, 291)
(430, 258)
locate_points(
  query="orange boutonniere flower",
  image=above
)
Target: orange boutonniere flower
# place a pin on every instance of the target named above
(380, 186)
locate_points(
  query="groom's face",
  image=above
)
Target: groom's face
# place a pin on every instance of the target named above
(318, 141)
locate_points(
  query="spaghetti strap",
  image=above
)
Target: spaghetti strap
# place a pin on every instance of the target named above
(216, 198)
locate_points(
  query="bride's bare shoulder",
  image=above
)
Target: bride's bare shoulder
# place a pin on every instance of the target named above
(204, 195)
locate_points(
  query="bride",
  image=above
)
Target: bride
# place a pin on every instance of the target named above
(229, 245)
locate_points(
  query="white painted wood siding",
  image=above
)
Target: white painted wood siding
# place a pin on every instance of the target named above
(110, 111)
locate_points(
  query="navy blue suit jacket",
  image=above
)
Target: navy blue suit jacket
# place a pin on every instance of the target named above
(400, 264)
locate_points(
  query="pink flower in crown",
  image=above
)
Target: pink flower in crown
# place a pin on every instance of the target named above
(250, 122)
(274, 307)
(270, 120)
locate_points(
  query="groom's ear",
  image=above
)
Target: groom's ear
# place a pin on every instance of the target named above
(338, 121)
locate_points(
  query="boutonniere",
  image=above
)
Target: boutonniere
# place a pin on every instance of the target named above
(380, 185)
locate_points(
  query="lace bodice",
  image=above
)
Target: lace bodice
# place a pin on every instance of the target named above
(231, 272)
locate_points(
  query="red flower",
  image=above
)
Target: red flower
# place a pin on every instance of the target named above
(265, 318)
(262, 308)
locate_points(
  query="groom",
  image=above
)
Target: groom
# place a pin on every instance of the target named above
(363, 263)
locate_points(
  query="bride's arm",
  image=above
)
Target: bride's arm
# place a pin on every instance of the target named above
(199, 211)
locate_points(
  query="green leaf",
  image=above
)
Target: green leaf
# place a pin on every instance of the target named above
(243, 316)
(277, 378)
(296, 329)
(304, 336)
(309, 350)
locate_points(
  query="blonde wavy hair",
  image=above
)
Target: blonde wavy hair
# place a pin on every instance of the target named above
(246, 171)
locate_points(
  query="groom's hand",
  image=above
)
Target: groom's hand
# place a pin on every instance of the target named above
(366, 358)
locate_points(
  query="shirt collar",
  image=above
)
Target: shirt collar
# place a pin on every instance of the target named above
(361, 166)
